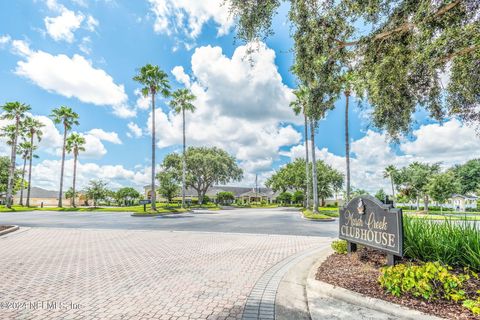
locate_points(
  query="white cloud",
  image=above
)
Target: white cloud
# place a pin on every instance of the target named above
(188, 16)
(134, 131)
(4, 40)
(72, 77)
(91, 23)
(84, 46)
(241, 107)
(180, 75)
(143, 102)
(105, 136)
(63, 26)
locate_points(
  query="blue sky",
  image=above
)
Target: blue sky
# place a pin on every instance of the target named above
(83, 54)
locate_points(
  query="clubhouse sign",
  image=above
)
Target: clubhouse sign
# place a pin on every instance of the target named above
(367, 221)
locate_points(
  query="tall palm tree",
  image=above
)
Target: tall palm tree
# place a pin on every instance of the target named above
(67, 117)
(13, 111)
(390, 172)
(155, 81)
(300, 105)
(181, 102)
(24, 149)
(313, 125)
(75, 144)
(33, 127)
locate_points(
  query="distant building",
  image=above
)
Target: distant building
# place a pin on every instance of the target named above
(47, 198)
(459, 202)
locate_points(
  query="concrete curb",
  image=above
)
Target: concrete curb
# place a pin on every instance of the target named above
(11, 229)
(317, 288)
(316, 220)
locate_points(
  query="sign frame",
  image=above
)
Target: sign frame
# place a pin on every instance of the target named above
(357, 215)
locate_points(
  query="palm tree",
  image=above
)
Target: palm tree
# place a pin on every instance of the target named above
(33, 127)
(75, 144)
(181, 102)
(155, 81)
(300, 105)
(390, 172)
(24, 149)
(66, 116)
(313, 125)
(13, 111)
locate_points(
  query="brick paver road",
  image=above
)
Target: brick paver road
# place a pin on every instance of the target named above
(134, 274)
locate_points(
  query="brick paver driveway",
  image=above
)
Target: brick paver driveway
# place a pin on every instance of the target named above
(48, 273)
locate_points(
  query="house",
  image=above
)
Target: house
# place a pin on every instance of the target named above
(38, 197)
(459, 202)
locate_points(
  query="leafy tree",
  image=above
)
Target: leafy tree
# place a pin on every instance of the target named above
(390, 172)
(205, 166)
(75, 144)
(359, 192)
(290, 176)
(329, 181)
(70, 194)
(168, 184)
(34, 132)
(67, 118)
(300, 105)
(4, 172)
(298, 196)
(468, 176)
(154, 81)
(414, 180)
(96, 191)
(400, 48)
(285, 198)
(442, 186)
(380, 195)
(15, 111)
(126, 195)
(225, 197)
(181, 102)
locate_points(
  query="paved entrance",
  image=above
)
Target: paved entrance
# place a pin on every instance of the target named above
(71, 273)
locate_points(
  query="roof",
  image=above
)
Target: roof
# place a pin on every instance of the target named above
(36, 192)
(469, 197)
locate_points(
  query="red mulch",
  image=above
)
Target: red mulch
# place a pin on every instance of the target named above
(359, 272)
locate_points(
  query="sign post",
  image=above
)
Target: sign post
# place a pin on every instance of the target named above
(367, 221)
(145, 202)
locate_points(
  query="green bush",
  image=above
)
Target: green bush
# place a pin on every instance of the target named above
(473, 305)
(430, 281)
(339, 246)
(455, 243)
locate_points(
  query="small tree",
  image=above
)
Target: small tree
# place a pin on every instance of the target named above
(168, 185)
(225, 197)
(70, 194)
(126, 195)
(380, 195)
(441, 187)
(298, 196)
(96, 190)
(284, 198)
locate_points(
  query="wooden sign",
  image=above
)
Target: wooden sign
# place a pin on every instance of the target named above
(367, 221)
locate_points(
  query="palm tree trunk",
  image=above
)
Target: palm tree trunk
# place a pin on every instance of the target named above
(314, 167)
(60, 194)
(23, 181)
(347, 144)
(307, 196)
(183, 161)
(30, 171)
(393, 189)
(154, 198)
(75, 156)
(11, 174)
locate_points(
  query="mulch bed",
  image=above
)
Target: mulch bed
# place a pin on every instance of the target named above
(359, 272)
(4, 227)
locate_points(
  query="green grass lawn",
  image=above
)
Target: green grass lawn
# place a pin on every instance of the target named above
(315, 216)
(161, 208)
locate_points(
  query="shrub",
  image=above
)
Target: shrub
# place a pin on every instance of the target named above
(455, 243)
(430, 281)
(473, 305)
(339, 246)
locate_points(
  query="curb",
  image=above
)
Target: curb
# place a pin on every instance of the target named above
(319, 288)
(157, 214)
(11, 229)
